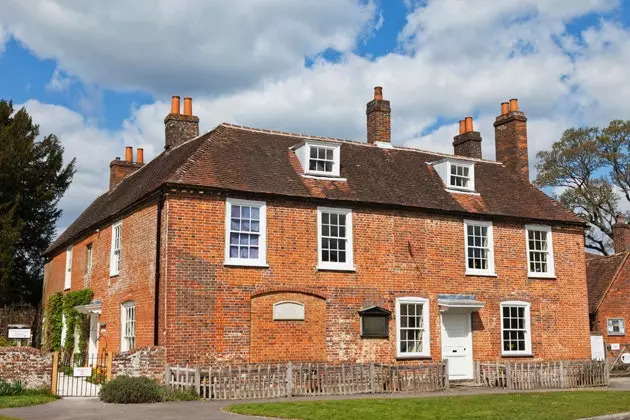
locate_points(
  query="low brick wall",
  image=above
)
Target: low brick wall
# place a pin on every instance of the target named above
(30, 366)
(144, 361)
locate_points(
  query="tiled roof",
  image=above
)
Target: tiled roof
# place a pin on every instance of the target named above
(600, 273)
(261, 161)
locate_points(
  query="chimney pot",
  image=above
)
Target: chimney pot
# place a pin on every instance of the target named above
(504, 108)
(378, 93)
(175, 106)
(140, 155)
(468, 124)
(129, 154)
(187, 105)
(513, 104)
(462, 126)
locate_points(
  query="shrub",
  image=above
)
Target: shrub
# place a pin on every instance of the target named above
(181, 395)
(5, 342)
(10, 388)
(132, 390)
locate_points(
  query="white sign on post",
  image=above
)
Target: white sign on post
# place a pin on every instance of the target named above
(614, 346)
(82, 372)
(20, 333)
(625, 358)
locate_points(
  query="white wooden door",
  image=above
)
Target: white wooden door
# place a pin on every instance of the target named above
(457, 345)
(93, 341)
(597, 347)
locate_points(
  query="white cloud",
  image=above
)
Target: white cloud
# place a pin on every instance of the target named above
(59, 82)
(4, 37)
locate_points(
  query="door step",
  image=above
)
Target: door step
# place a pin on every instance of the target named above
(461, 383)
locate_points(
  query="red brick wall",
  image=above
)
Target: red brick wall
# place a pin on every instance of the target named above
(209, 308)
(25, 364)
(616, 304)
(136, 280)
(144, 361)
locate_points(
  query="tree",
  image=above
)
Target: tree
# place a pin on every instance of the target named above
(589, 170)
(32, 180)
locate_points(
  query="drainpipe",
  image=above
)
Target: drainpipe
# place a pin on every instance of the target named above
(158, 240)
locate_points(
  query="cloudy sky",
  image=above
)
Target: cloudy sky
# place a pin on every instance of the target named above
(100, 74)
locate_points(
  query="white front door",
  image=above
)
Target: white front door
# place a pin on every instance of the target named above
(93, 342)
(457, 345)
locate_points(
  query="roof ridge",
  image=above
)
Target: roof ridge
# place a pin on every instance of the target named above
(353, 142)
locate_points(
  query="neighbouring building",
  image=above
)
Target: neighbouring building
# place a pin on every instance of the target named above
(246, 245)
(609, 292)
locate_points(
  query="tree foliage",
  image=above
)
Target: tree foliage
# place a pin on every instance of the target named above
(589, 170)
(33, 178)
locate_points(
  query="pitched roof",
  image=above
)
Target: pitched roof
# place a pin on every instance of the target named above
(600, 273)
(261, 161)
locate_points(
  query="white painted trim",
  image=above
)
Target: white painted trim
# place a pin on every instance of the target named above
(471, 173)
(426, 333)
(528, 328)
(67, 282)
(304, 154)
(262, 239)
(327, 265)
(289, 302)
(476, 272)
(123, 321)
(113, 271)
(551, 273)
(469, 340)
(623, 326)
(325, 178)
(462, 192)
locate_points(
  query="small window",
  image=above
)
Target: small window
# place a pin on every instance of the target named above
(479, 248)
(67, 284)
(245, 232)
(515, 328)
(128, 324)
(88, 259)
(320, 158)
(616, 326)
(412, 328)
(539, 251)
(459, 176)
(115, 257)
(375, 322)
(335, 239)
(288, 311)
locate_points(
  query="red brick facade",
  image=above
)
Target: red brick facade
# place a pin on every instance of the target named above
(615, 304)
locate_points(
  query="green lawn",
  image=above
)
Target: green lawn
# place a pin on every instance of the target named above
(29, 398)
(539, 406)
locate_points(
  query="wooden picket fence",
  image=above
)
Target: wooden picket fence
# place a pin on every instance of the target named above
(298, 379)
(542, 375)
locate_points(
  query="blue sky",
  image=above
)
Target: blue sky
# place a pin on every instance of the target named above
(100, 75)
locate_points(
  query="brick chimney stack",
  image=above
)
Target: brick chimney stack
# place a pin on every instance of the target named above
(378, 113)
(467, 142)
(180, 127)
(120, 169)
(510, 136)
(621, 235)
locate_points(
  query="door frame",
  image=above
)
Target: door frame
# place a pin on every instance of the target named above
(93, 341)
(470, 353)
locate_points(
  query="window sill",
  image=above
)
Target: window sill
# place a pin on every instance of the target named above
(245, 264)
(375, 337)
(469, 192)
(336, 268)
(111, 276)
(616, 334)
(524, 355)
(473, 274)
(326, 177)
(414, 357)
(541, 276)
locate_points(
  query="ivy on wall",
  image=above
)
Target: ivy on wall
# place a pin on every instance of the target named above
(60, 306)
(54, 321)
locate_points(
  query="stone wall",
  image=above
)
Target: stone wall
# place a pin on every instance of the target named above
(30, 366)
(145, 361)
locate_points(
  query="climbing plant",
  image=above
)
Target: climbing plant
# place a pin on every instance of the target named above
(54, 321)
(74, 320)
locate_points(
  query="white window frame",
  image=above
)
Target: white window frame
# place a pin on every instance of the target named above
(471, 175)
(124, 309)
(328, 265)
(490, 271)
(622, 324)
(426, 333)
(528, 328)
(304, 155)
(64, 330)
(67, 283)
(115, 257)
(551, 273)
(262, 239)
(89, 249)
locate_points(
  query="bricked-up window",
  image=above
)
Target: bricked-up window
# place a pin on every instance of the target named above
(515, 328)
(616, 326)
(479, 248)
(335, 239)
(539, 251)
(412, 328)
(68, 279)
(114, 263)
(88, 259)
(245, 231)
(128, 324)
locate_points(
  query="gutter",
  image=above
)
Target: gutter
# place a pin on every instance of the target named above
(158, 242)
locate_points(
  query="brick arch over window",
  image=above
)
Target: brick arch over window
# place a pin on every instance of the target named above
(284, 340)
(300, 290)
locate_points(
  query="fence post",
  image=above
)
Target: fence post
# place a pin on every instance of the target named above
(562, 375)
(198, 380)
(372, 379)
(478, 372)
(108, 366)
(167, 374)
(289, 379)
(508, 376)
(446, 384)
(55, 373)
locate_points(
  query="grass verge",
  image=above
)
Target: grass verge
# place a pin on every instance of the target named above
(540, 406)
(29, 397)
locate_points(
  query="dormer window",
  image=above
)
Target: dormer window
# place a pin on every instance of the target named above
(319, 158)
(457, 175)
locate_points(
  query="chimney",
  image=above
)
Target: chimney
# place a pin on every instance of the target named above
(467, 142)
(120, 169)
(378, 113)
(621, 235)
(180, 127)
(510, 136)
(140, 155)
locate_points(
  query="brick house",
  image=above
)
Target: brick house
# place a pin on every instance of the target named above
(608, 280)
(249, 245)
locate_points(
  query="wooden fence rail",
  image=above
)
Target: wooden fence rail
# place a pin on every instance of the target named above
(297, 379)
(542, 375)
